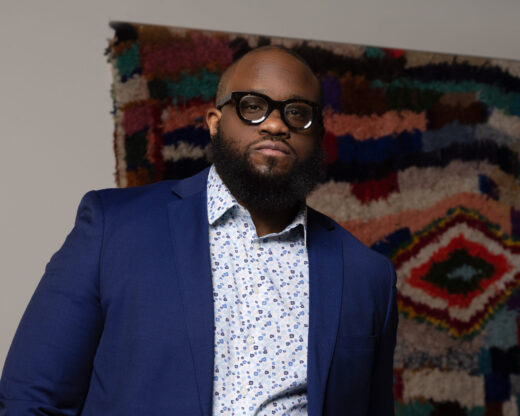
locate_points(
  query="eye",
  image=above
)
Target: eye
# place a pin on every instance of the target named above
(298, 114)
(298, 111)
(252, 107)
(293, 112)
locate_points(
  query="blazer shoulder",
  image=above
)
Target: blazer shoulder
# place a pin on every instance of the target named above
(155, 193)
(119, 197)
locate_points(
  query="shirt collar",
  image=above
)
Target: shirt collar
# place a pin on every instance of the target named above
(220, 200)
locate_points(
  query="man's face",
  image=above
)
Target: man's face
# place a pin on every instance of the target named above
(269, 153)
(279, 76)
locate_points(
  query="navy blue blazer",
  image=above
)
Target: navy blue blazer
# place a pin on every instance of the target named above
(122, 320)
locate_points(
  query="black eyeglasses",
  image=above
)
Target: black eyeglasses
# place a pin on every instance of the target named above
(254, 108)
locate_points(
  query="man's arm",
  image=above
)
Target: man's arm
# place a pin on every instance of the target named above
(49, 364)
(381, 395)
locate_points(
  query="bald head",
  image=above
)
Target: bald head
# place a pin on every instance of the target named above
(271, 52)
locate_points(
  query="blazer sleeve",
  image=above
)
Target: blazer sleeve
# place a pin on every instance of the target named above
(382, 397)
(49, 364)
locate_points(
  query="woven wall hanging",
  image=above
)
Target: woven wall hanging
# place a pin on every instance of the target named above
(423, 165)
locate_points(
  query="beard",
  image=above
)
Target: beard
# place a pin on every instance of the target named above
(266, 191)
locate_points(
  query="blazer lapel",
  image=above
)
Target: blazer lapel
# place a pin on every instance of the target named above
(325, 289)
(189, 233)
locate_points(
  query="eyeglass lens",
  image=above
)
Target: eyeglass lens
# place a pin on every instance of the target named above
(254, 109)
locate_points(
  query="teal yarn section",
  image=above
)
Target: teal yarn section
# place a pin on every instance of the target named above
(374, 53)
(192, 86)
(128, 61)
(490, 95)
(476, 411)
(414, 408)
(510, 102)
(501, 329)
(465, 272)
(417, 408)
(484, 361)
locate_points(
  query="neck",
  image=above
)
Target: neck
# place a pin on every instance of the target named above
(271, 222)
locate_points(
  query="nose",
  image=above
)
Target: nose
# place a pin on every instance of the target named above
(274, 125)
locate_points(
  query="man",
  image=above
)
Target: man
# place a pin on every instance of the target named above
(220, 294)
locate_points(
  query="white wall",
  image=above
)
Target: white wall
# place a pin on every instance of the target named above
(55, 126)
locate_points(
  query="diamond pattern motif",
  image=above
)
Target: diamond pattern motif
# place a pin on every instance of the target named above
(457, 272)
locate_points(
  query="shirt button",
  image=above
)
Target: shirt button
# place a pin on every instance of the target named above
(256, 245)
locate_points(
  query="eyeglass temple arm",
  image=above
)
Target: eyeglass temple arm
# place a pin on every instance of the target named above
(223, 101)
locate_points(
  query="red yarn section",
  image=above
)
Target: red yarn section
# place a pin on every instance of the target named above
(178, 54)
(330, 146)
(394, 53)
(398, 385)
(372, 190)
(135, 119)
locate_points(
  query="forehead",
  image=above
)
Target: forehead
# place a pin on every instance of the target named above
(276, 74)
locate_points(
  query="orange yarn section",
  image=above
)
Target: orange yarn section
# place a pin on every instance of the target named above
(141, 176)
(180, 117)
(374, 126)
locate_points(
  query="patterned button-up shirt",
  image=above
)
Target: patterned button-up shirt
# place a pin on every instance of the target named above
(261, 301)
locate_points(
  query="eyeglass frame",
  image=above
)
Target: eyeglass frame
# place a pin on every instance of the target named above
(236, 96)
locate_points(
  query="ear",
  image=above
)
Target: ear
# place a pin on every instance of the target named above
(213, 116)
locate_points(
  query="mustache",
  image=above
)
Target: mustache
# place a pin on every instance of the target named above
(273, 139)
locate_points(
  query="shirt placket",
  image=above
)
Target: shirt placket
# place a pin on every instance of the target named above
(249, 288)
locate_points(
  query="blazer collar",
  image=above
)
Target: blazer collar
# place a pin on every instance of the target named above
(185, 188)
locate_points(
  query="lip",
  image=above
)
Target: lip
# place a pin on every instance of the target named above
(273, 148)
